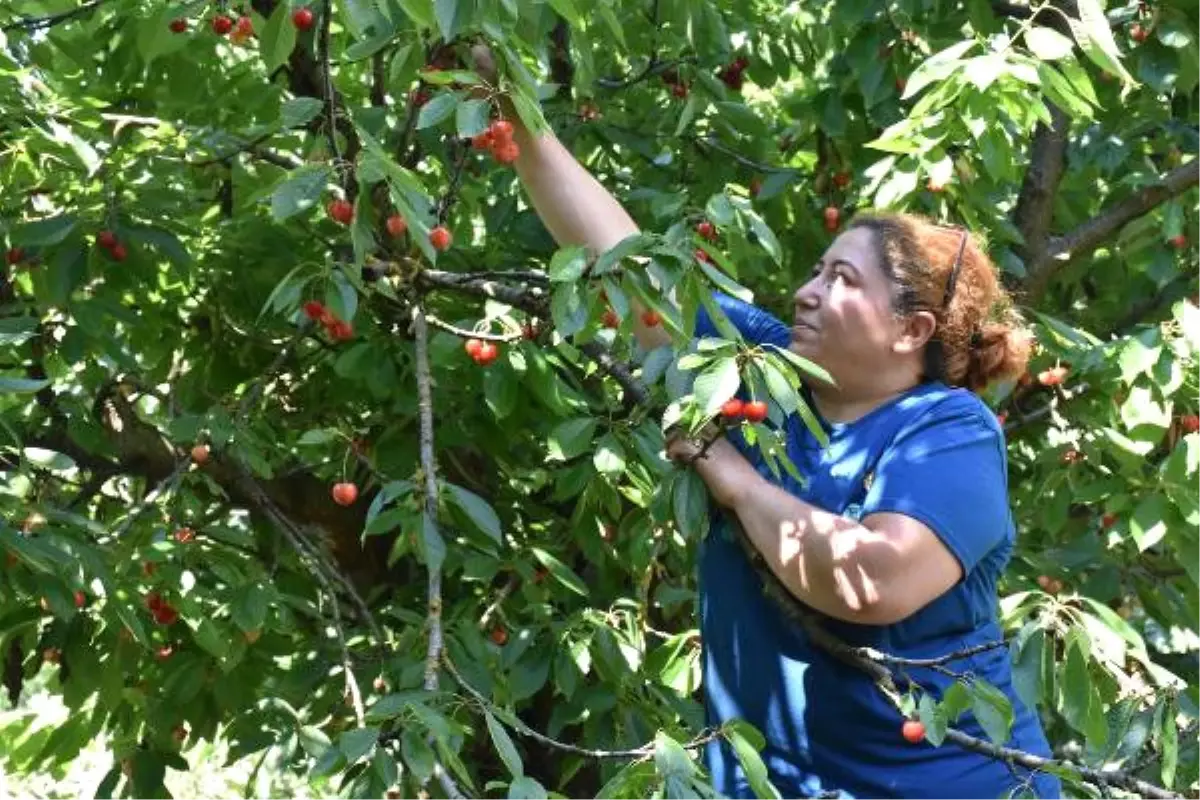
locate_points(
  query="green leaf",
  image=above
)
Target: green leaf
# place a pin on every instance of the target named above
(633, 780)
(671, 759)
(716, 384)
(433, 547)
(249, 610)
(526, 788)
(752, 765)
(477, 509)
(1169, 741)
(357, 742)
(568, 264)
(561, 572)
(278, 39)
(1047, 43)
(504, 746)
(609, 458)
(766, 237)
(299, 191)
(689, 501)
(417, 755)
(17, 330)
(471, 117)
(568, 310)
(1148, 525)
(44, 232)
(1094, 35)
(299, 111)
(437, 109)
(23, 385)
(571, 438)
(450, 17)
(993, 710)
(568, 11)
(212, 639)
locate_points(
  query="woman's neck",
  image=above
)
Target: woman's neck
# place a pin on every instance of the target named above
(843, 407)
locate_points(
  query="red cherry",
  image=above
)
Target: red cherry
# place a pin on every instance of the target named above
(732, 409)
(165, 615)
(80, 599)
(314, 310)
(488, 351)
(1179, 242)
(302, 18)
(913, 730)
(200, 453)
(1190, 423)
(164, 652)
(501, 130)
(707, 230)
(14, 255)
(680, 90)
(153, 601)
(841, 179)
(106, 239)
(185, 535)
(178, 25)
(833, 217)
(396, 226)
(341, 211)
(118, 252)
(440, 238)
(499, 635)
(1108, 520)
(1138, 33)
(610, 319)
(651, 318)
(222, 24)
(756, 411)
(341, 331)
(482, 141)
(245, 26)
(345, 493)
(472, 347)
(419, 97)
(506, 153)
(702, 255)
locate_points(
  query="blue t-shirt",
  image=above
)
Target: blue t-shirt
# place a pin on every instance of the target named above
(937, 454)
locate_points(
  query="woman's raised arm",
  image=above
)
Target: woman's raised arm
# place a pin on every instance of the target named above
(573, 205)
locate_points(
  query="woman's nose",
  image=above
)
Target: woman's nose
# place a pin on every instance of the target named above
(807, 295)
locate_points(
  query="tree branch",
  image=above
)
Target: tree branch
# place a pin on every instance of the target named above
(50, 20)
(1088, 236)
(429, 470)
(1034, 212)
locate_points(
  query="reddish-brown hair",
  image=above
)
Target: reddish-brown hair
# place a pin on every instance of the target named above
(980, 337)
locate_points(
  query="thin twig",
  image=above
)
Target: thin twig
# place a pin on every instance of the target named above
(508, 588)
(645, 751)
(466, 334)
(330, 103)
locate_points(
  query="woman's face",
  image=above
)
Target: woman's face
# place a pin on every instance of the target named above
(843, 314)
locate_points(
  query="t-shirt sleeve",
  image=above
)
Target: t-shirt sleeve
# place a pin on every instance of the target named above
(948, 470)
(755, 324)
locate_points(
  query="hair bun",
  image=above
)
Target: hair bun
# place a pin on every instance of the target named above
(1002, 353)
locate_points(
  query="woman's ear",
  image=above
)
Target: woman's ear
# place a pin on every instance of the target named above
(916, 331)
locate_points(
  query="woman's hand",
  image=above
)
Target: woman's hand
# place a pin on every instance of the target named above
(729, 476)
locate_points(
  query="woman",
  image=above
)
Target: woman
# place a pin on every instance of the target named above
(902, 529)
